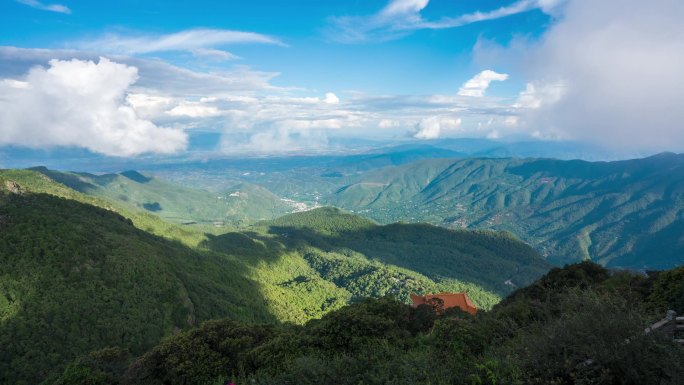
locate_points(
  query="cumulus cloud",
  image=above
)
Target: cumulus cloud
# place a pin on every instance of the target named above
(400, 17)
(537, 95)
(620, 63)
(192, 40)
(434, 126)
(477, 86)
(82, 104)
(59, 8)
(331, 98)
(154, 74)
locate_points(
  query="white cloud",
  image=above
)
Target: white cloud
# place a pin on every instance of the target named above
(148, 106)
(477, 86)
(154, 75)
(428, 128)
(190, 40)
(388, 123)
(46, 7)
(331, 98)
(194, 110)
(215, 54)
(400, 17)
(246, 108)
(536, 95)
(621, 63)
(81, 103)
(433, 127)
(12, 83)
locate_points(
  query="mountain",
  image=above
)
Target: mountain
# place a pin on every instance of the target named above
(542, 334)
(621, 214)
(493, 260)
(74, 277)
(241, 202)
(78, 273)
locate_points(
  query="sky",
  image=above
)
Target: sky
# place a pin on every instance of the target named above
(131, 78)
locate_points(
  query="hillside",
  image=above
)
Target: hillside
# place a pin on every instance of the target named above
(562, 330)
(620, 214)
(239, 203)
(313, 262)
(75, 277)
(494, 261)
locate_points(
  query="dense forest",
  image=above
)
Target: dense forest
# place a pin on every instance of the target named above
(623, 214)
(79, 273)
(578, 325)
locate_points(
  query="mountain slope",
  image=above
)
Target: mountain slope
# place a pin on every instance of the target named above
(542, 334)
(75, 277)
(485, 258)
(242, 202)
(622, 214)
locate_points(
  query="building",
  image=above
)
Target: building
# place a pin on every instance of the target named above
(449, 300)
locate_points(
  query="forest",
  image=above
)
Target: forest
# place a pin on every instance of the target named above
(81, 274)
(580, 324)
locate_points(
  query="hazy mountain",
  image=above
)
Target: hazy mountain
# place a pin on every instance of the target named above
(623, 214)
(241, 202)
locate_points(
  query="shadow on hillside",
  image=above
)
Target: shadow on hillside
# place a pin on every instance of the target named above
(255, 247)
(485, 258)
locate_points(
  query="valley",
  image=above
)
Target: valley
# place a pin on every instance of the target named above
(569, 210)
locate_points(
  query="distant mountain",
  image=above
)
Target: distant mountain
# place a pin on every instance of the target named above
(242, 202)
(622, 214)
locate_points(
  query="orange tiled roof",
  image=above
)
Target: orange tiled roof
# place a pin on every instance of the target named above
(450, 300)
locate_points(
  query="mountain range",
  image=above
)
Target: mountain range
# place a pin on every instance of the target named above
(81, 273)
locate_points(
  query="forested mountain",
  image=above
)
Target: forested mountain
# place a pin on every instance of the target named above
(576, 325)
(621, 214)
(75, 277)
(240, 202)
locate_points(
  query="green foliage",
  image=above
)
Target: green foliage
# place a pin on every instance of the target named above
(325, 220)
(484, 258)
(597, 339)
(592, 335)
(621, 214)
(75, 278)
(668, 291)
(132, 191)
(199, 356)
(102, 367)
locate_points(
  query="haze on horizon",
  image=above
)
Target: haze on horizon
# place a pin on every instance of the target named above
(270, 77)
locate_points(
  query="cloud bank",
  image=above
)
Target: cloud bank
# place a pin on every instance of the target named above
(610, 72)
(80, 103)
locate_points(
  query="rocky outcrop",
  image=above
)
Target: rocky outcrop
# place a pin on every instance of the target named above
(13, 187)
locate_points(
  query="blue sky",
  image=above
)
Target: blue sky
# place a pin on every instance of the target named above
(418, 63)
(125, 78)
